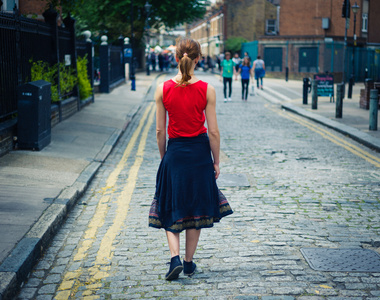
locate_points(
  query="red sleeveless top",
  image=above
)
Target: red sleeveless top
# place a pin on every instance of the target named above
(185, 106)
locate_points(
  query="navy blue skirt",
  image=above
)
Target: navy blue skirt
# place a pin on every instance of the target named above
(186, 194)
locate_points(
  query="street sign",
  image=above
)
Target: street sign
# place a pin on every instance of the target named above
(325, 85)
(128, 52)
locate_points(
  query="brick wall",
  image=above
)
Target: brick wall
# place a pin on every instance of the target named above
(374, 22)
(246, 18)
(307, 19)
(33, 7)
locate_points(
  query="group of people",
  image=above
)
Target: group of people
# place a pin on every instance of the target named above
(243, 67)
(164, 61)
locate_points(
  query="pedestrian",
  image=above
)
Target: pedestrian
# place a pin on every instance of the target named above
(153, 61)
(186, 197)
(259, 69)
(227, 73)
(237, 61)
(245, 70)
(247, 55)
(161, 61)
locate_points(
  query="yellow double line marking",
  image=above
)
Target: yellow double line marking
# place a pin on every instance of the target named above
(70, 283)
(335, 139)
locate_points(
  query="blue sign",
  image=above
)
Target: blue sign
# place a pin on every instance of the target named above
(128, 52)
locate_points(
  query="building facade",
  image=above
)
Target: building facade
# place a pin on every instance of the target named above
(250, 19)
(209, 33)
(312, 40)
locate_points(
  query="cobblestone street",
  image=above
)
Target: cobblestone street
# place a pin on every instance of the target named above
(299, 185)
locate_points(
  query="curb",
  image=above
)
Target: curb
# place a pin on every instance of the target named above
(355, 134)
(15, 268)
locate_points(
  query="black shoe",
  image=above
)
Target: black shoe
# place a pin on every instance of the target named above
(189, 268)
(175, 268)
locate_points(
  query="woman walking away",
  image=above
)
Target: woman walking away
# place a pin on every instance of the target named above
(227, 73)
(259, 67)
(187, 197)
(246, 72)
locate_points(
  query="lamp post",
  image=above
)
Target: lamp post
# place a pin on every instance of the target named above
(147, 7)
(208, 43)
(355, 9)
(132, 74)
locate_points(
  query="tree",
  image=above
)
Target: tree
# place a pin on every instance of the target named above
(233, 44)
(112, 17)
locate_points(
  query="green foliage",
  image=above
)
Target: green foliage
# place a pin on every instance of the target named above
(233, 44)
(41, 70)
(84, 84)
(113, 17)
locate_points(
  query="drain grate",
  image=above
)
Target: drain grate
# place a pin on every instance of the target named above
(342, 260)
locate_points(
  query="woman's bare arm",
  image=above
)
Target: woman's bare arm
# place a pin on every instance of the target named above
(213, 130)
(160, 120)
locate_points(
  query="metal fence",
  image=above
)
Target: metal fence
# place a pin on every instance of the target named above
(23, 41)
(117, 65)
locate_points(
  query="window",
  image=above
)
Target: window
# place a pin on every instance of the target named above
(365, 22)
(8, 5)
(271, 27)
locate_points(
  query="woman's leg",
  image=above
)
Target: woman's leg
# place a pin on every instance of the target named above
(225, 87)
(246, 88)
(192, 237)
(261, 78)
(242, 89)
(173, 241)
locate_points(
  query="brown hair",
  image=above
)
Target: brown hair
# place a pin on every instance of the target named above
(248, 63)
(187, 50)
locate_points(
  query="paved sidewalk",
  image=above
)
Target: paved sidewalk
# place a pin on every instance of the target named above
(354, 122)
(37, 189)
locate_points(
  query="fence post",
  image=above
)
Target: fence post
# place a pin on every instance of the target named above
(90, 59)
(373, 107)
(104, 57)
(339, 100)
(16, 14)
(314, 95)
(50, 16)
(70, 25)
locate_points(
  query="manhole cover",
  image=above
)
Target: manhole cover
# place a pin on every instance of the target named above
(342, 260)
(233, 180)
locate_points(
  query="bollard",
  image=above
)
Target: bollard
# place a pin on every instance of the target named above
(339, 100)
(373, 107)
(286, 73)
(306, 89)
(351, 82)
(314, 95)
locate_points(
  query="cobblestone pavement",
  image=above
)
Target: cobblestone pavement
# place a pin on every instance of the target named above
(308, 187)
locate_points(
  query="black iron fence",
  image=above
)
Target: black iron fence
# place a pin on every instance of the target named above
(21, 40)
(24, 41)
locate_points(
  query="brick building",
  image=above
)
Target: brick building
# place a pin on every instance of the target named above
(27, 8)
(311, 40)
(250, 18)
(209, 32)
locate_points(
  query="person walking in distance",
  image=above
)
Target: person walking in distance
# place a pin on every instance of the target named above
(245, 70)
(186, 197)
(227, 73)
(259, 68)
(237, 60)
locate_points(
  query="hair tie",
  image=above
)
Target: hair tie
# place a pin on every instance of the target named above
(185, 54)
